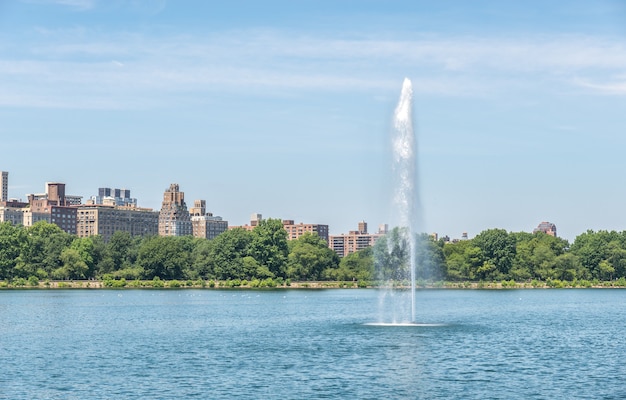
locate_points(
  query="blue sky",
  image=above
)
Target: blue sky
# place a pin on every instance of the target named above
(284, 107)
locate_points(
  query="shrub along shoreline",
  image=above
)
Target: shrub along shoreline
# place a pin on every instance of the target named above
(157, 283)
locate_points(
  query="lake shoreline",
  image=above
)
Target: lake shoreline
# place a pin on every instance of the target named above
(225, 285)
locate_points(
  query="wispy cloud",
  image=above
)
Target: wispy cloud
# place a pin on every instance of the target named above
(116, 68)
(140, 7)
(74, 4)
(615, 86)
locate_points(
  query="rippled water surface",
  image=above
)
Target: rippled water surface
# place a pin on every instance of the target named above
(306, 344)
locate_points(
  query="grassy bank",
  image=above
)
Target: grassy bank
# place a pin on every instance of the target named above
(34, 283)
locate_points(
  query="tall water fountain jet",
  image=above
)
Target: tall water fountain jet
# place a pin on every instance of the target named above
(395, 255)
(405, 173)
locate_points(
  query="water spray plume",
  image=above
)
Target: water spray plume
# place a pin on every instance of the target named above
(404, 149)
(404, 207)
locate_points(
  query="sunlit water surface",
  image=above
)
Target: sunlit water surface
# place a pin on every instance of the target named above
(305, 344)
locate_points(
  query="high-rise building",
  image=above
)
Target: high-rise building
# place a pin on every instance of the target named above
(205, 225)
(4, 185)
(174, 219)
(9, 210)
(110, 196)
(354, 241)
(198, 209)
(56, 193)
(51, 207)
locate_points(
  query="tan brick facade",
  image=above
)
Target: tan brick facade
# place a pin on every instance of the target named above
(98, 219)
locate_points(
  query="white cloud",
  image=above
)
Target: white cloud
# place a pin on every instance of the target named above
(89, 65)
(141, 7)
(79, 5)
(615, 87)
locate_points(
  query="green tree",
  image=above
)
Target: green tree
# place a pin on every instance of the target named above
(188, 245)
(355, 266)
(605, 270)
(391, 256)
(453, 256)
(201, 258)
(498, 249)
(486, 271)
(74, 267)
(252, 268)
(567, 267)
(123, 249)
(474, 259)
(543, 260)
(592, 248)
(12, 242)
(42, 253)
(462, 260)
(102, 263)
(85, 249)
(164, 257)
(225, 258)
(536, 255)
(429, 259)
(309, 256)
(523, 267)
(269, 246)
(616, 257)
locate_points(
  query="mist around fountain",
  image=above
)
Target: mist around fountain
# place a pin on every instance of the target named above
(396, 256)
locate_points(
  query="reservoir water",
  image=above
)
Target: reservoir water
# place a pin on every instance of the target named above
(311, 344)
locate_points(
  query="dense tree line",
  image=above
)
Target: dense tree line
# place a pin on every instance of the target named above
(496, 254)
(499, 255)
(44, 251)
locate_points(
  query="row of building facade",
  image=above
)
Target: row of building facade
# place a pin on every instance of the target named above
(342, 244)
(110, 211)
(113, 210)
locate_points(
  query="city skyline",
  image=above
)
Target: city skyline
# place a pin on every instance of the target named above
(285, 109)
(174, 203)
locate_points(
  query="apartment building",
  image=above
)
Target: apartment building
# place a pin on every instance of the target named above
(51, 207)
(118, 197)
(294, 231)
(105, 220)
(12, 211)
(203, 224)
(174, 219)
(354, 241)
